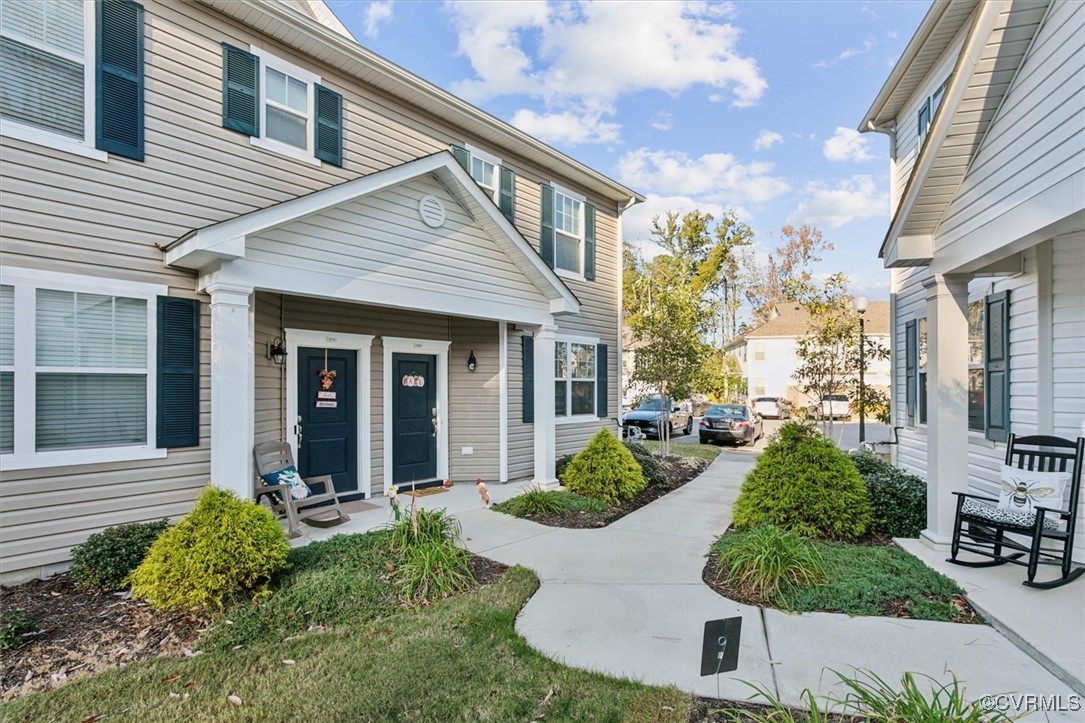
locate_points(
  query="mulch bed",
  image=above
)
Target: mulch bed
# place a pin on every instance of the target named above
(678, 471)
(84, 632)
(892, 609)
(87, 632)
(712, 710)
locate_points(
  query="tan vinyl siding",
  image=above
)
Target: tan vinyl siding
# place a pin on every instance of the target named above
(521, 434)
(67, 213)
(474, 401)
(1035, 140)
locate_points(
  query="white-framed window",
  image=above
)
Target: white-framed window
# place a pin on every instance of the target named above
(759, 386)
(759, 351)
(485, 168)
(927, 110)
(568, 231)
(574, 378)
(47, 74)
(921, 369)
(977, 353)
(287, 108)
(77, 380)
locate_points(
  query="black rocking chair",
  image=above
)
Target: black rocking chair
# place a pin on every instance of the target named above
(981, 528)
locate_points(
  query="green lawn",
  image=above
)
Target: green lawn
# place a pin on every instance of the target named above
(459, 659)
(687, 447)
(871, 580)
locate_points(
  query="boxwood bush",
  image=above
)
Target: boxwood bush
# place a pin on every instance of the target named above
(605, 470)
(650, 466)
(224, 548)
(561, 465)
(803, 483)
(106, 559)
(898, 499)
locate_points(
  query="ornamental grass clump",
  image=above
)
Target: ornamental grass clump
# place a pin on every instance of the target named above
(803, 483)
(432, 565)
(225, 548)
(768, 560)
(605, 470)
(107, 558)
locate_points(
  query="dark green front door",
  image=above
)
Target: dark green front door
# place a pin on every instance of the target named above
(414, 418)
(328, 418)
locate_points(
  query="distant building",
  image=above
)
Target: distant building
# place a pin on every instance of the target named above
(766, 354)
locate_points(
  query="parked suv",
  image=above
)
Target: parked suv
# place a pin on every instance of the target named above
(772, 407)
(653, 414)
(831, 406)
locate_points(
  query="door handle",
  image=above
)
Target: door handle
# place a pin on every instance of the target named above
(435, 421)
(297, 429)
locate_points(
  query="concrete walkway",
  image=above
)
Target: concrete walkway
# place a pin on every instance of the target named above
(628, 600)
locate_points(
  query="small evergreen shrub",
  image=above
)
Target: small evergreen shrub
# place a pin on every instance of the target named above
(224, 548)
(768, 559)
(108, 557)
(650, 466)
(561, 465)
(14, 625)
(605, 470)
(898, 499)
(803, 483)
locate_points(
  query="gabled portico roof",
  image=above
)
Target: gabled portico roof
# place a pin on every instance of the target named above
(208, 249)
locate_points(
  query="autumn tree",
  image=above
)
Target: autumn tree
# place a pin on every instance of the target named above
(829, 353)
(787, 268)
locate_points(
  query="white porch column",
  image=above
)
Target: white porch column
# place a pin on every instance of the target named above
(232, 395)
(546, 448)
(947, 402)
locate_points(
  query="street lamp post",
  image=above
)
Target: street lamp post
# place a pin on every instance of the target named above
(861, 304)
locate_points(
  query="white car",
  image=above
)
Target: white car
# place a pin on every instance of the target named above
(831, 406)
(772, 407)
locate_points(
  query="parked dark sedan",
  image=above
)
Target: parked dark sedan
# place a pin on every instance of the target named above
(735, 423)
(654, 413)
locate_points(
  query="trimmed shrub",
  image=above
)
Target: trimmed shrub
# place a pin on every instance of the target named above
(561, 465)
(14, 626)
(224, 548)
(803, 483)
(898, 499)
(605, 470)
(108, 557)
(650, 466)
(768, 559)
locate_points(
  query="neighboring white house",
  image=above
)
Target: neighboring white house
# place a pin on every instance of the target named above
(985, 112)
(766, 354)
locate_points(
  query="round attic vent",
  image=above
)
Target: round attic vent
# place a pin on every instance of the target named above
(432, 211)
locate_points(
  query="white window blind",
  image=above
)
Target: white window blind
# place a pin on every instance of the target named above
(42, 65)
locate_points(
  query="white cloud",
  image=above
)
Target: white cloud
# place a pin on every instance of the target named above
(662, 121)
(847, 144)
(377, 12)
(849, 53)
(567, 127)
(581, 55)
(716, 177)
(850, 200)
(766, 140)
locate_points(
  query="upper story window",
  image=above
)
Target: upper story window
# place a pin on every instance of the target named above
(927, 110)
(759, 351)
(281, 107)
(71, 75)
(569, 227)
(498, 181)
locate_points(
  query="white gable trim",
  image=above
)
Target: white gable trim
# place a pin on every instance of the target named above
(225, 241)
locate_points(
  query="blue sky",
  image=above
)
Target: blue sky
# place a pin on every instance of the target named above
(749, 106)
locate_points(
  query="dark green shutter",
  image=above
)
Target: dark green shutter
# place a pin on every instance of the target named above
(529, 378)
(328, 129)
(119, 79)
(546, 229)
(996, 366)
(463, 157)
(178, 372)
(240, 90)
(910, 348)
(602, 391)
(506, 194)
(589, 242)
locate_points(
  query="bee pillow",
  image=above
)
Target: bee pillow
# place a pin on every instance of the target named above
(1023, 490)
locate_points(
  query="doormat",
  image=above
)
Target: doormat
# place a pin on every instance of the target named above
(357, 506)
(426, 492)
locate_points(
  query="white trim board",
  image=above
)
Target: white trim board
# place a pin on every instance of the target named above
(394, 344)
(362, 344)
